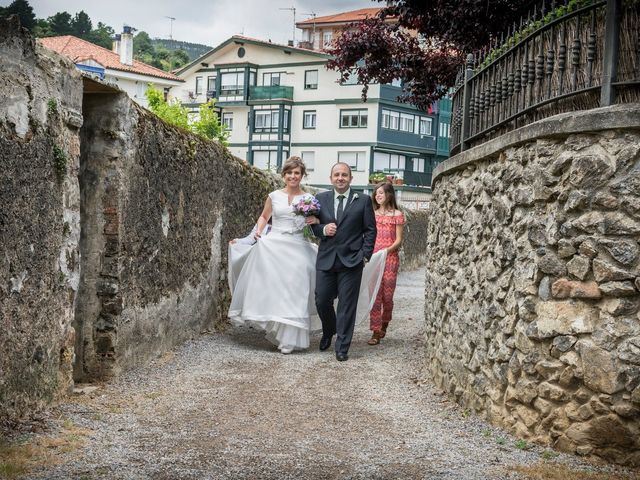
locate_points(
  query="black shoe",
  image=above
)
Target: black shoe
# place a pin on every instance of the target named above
(342, 357)
(325, 343)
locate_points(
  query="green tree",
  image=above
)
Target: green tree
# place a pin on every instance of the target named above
(142, 45)
(42, 29)
(60, 23)
(207, 125)
(24, 12)
(180, 58)
(101, 35)
(171, 112)
(81, 25)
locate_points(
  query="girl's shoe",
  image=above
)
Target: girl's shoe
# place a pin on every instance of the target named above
(375, 338)
(383, 331)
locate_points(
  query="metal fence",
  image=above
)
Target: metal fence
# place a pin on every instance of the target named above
(583, 59)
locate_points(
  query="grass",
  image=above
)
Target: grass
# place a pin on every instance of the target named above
(557, 471)
(17, 458)
(548, 454)
(521, 444)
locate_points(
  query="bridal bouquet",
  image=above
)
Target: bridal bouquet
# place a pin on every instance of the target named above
(307, 206)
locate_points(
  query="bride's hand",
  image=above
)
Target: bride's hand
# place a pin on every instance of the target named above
(312, 220)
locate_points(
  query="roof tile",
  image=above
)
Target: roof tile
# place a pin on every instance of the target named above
(344, 17)
(78, 50)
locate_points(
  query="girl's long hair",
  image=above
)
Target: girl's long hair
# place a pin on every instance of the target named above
(390, 195)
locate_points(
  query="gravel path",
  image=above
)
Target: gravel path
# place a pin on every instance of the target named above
(230, 406)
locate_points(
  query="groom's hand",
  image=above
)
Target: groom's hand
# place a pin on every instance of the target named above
(330, 229)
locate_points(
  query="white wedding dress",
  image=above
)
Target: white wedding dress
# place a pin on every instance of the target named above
(273, 281)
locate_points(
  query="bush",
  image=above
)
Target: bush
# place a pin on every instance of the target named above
(207, 125)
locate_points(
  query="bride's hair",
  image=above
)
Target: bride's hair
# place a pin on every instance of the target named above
(293, 162)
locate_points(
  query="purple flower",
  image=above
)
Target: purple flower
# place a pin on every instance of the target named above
(307, 206)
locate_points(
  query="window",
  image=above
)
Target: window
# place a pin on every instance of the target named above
(443, 130)
(310, 79)
(231, 83)
(227, 120)
(309, 119)
(309, 159)
(353, 74)
(326, 39)
(266, 121)
(425, 126)
(211, 86)
(272, 79)
(356, 160)
(199, 85)
(388, 162)
(390, 119)
(418, 165)
(268, 159)
(406, 122)
(353, 118)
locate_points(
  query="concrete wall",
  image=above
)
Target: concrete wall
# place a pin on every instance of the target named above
(39, 221)
(533, 278)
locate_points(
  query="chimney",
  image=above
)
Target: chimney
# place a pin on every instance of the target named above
(126, 45)
(115, 46)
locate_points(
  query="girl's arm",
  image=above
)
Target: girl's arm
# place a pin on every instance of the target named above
(399, 235)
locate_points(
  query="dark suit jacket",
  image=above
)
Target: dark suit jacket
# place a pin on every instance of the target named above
(355, 235)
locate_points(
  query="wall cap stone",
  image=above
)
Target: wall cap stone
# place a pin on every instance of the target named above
(625, 116)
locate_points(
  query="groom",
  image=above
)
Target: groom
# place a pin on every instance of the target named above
(347, 232)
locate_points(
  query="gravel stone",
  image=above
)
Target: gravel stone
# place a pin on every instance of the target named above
(230, 406)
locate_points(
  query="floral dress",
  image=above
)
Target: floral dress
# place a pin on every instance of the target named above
(383, 306)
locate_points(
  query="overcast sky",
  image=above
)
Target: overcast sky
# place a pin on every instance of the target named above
(201, 21)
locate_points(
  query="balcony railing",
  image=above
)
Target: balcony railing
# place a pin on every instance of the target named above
(263, 92)
(580, 60)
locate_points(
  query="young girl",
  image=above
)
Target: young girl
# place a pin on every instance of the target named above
(390, 223)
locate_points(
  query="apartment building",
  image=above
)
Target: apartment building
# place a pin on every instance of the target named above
(280, 100)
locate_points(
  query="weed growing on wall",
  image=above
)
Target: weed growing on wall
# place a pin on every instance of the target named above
(52, 106)
(59, 161)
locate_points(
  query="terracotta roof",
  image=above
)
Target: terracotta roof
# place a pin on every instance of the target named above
(78, 50)
(344, 17)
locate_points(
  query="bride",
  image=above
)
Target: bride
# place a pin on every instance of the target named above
(274, 289)
(273, 281)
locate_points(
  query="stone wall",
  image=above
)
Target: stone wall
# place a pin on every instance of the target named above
(113, 228)
(159, 207)
(532, 282)
(414, 245)
(39, 221)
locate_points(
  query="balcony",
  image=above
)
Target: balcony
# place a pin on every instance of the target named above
(268, 94)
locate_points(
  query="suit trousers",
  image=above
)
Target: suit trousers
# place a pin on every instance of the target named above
(344, 284)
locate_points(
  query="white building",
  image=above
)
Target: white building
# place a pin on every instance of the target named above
(115, 66)
(280, 100)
